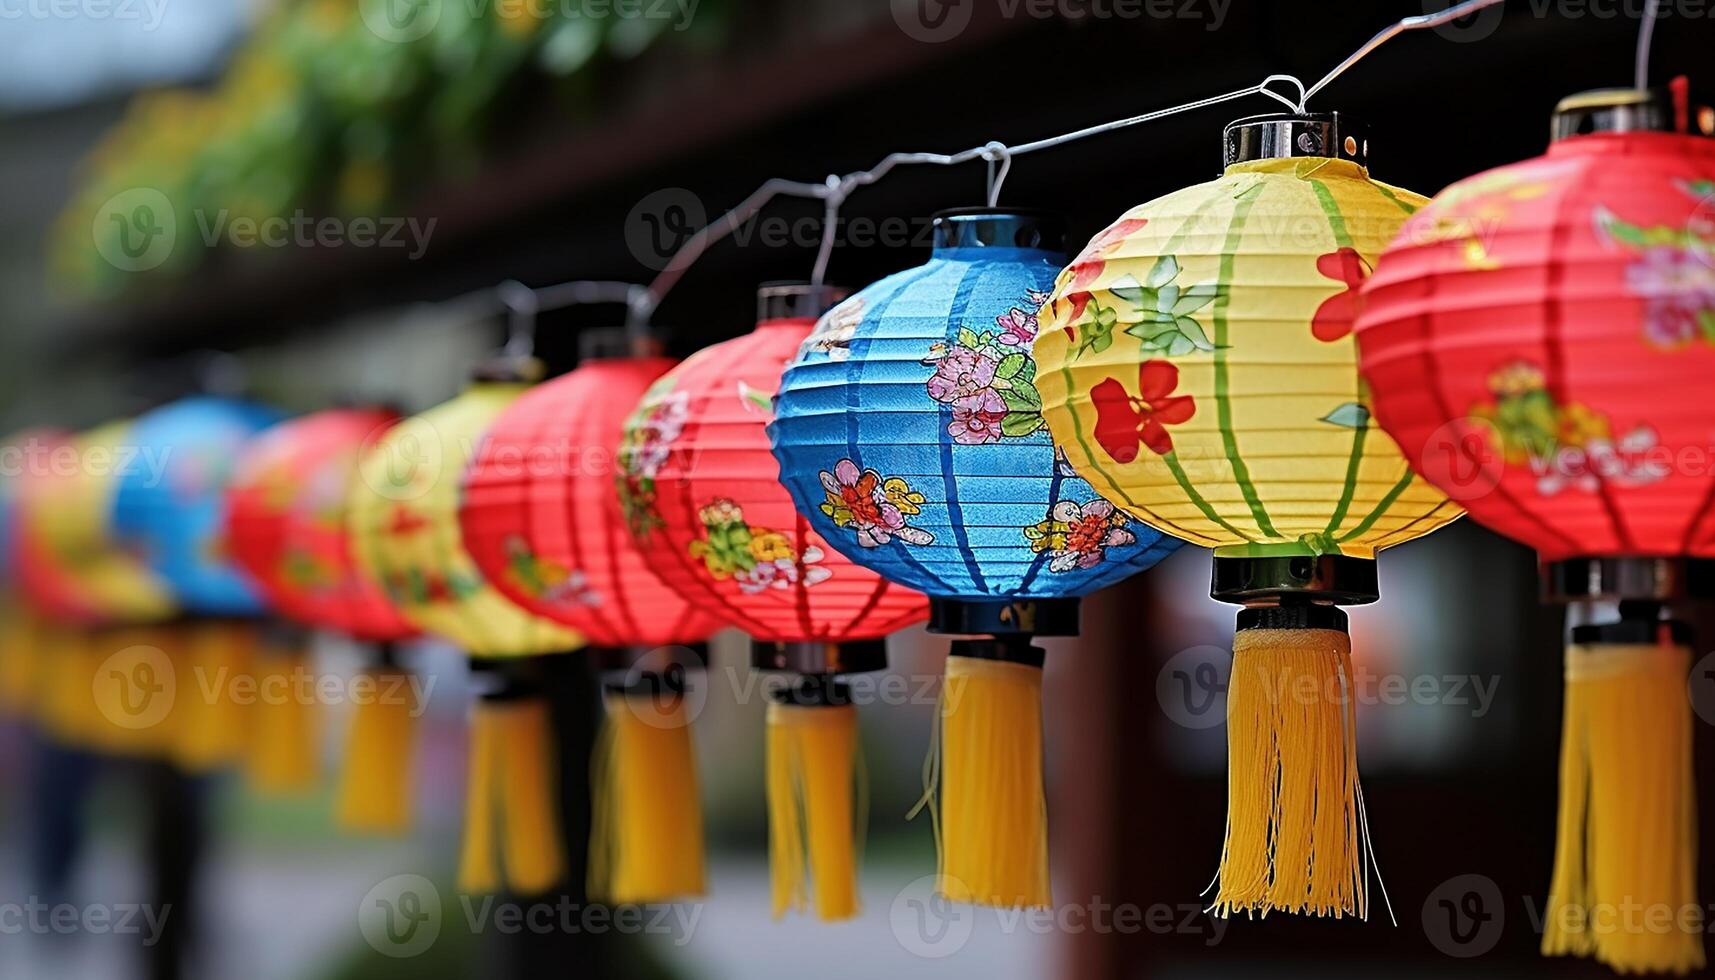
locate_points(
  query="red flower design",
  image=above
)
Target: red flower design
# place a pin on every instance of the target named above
(1088, 266)
(1335, 317)
(1123, 423)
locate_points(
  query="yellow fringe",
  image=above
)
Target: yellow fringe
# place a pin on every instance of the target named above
(1625, 867)
(479, 872)
(816, 808)
(212, 727)
(1296, 836)
(512, 770)
(283, 753)
(646, 837)
(20, 660)
(529, 798)
(375, 786)
(70, 658)
(992, 831)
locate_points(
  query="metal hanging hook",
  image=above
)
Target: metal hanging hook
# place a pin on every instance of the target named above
(522, 305)
(999, 158)
(833, 199)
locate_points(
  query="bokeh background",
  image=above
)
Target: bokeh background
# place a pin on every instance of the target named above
(551, 141)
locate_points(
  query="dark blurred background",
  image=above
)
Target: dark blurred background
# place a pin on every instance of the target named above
(574, 151)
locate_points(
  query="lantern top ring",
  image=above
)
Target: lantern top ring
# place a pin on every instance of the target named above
(1283, 135)
(1665, 109)
(1030, 228)
(796, 300)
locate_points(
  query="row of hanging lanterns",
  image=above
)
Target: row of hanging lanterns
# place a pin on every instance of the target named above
(1294, 365)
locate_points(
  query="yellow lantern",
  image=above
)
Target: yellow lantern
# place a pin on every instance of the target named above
(105, 596)
(405, 535)
(1197, 366)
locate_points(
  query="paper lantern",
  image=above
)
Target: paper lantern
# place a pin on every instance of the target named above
(405, 533)
(1540, 339)
(1197, 364)
(170, 507)
(910, 434)
(171, 502)
(286, 521)
(543, 520)
(721, 530)
(77, 579)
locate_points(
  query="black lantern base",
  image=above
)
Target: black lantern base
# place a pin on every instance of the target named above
(649, 670)
(1641, 578)
(828, 659)
(1005, 649)
(1335, 580)
(999, 617)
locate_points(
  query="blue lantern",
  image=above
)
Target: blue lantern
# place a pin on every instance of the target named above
(910, 433)
(170, 505)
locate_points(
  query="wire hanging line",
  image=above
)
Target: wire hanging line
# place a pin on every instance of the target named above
(642, 301)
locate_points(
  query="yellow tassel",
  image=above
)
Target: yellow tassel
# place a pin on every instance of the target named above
(70, 712)
(283, 751)
(375, 786)
(992, 833)
(815, 808)
(478, 871)
(646, 838)
(212, 727)
(20, 638)
(529, 798)
(1296, 836)
(513, 771)
(1625, 867)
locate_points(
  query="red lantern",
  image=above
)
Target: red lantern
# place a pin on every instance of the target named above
(709, 511)
(718, 525)
(1539, 340)
(543, 523)
(286, 523)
